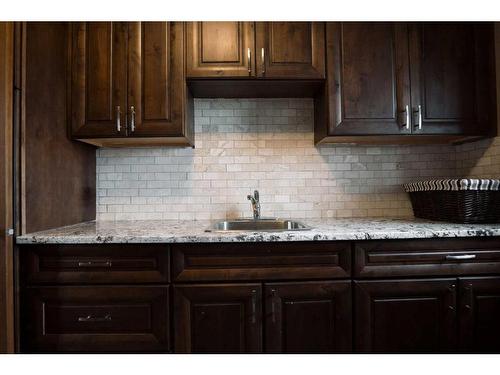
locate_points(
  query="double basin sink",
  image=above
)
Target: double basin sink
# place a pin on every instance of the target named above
(257, 225)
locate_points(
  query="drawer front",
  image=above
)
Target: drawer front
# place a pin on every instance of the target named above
(96, 319)
(66, 264)
(259, 261)
(427, 257)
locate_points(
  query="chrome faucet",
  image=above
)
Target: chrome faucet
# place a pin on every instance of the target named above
(255, 204)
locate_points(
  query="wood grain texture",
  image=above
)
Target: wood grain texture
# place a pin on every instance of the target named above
(218, 318)
(220, 49)
(57, 174)
(452, 74)
(6, 187)
(308, 317)
(405, 316)
(479, 312)
(96, 319)
(293, 50)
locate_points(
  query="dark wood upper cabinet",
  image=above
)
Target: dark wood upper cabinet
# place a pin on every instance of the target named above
(451, 65)
(98, 79)
(290, 50)
(479, 314)
(405, 316)
(220, 49)
(308, 317)
(128, 81)
(387, 81)
(369, 78)
(218, 318)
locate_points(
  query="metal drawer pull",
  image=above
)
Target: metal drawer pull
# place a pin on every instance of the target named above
(132, 118)
(263, 61)
(118, 115)
(91, 318)
(254, 306)
(419, 113)
(407, 116)
(91, 263)
(273, 310)
(461, 257)
(249, 61)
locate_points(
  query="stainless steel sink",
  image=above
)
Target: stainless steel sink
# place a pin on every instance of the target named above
(257, 225)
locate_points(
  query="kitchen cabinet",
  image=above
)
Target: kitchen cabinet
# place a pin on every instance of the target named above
(412, 296)
(285, 50)
(405, 316)
(97, 319)
(218, 318)
(401, 82)
(479, 312)
(220, 49)
(308, 317)
(290, 50)
(128, 85)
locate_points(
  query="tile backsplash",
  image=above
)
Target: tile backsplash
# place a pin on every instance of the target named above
(265, 144)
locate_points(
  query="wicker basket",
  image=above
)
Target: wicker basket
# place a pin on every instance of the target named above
(458, 201)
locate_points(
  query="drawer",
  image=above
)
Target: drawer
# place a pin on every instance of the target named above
(96, 319)
(259, 261)
(478, 255)
(67, 264)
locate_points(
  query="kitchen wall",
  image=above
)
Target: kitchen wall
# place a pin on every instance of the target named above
(266, 144)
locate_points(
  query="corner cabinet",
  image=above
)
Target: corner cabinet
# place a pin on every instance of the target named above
(128, 84)
(401, 82)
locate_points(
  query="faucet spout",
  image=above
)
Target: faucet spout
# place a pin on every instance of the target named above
(254, 200)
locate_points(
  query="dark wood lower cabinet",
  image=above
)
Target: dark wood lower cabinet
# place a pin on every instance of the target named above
(218, 318)
(308, 317)
(405, 316)
(96, 319)
(479, 314)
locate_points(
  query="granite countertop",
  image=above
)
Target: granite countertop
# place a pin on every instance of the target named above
(149, 231)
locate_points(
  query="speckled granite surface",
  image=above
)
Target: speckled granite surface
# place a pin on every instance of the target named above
(194, 231)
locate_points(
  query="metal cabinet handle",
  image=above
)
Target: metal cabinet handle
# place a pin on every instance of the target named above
(461, 257)
(262, 55)
(249, 61)
(92, 318)
(469, 297)
(407, 116)
(273, 310)
(118, 122)
(92, 263)
(419, 116)
(254, 306)
(132, 118)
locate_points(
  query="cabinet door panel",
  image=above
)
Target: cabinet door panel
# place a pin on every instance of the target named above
(218, 318)
(405, 316)
(308, 317)
(479, 314)
(220, 49)
(450, 66)
(156, 79)
(368, 87)
(98, 79)
(96, 319)
(291, 49)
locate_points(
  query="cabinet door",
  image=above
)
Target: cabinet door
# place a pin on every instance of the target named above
(480, 314)
(405, 316)
(308, 317)
(290, 49)
(156, 86)
(96, 319)
(220, 49)
(450, 70)
(98, 79)
(368, 78)
(218, 318)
